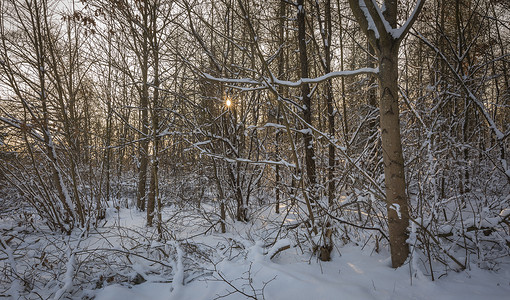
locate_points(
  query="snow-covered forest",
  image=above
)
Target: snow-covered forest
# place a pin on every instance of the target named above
(269, 149)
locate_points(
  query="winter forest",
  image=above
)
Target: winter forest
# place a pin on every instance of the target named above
(268, 149)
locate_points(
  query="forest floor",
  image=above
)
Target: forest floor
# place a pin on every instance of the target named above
(122, 259)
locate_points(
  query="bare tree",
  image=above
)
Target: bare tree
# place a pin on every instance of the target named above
(380, 26)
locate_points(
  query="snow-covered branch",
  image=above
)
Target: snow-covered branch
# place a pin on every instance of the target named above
(371, 18)
(401, 32)
(331, 75)
(264, 83)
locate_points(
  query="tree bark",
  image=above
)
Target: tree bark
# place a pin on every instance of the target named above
(394, 177)
(307, 103)
(144, 107)
(281, 66)
(329, 105)
(387, 47)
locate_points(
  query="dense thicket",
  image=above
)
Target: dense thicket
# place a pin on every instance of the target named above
(150, 103)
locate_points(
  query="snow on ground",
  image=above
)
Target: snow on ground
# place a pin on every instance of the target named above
(354, 273)
(112, 261)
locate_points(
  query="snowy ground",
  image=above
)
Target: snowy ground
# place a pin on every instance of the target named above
(353, 273)
(122, 260)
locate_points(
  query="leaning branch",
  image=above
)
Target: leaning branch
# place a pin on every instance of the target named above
(401, 32)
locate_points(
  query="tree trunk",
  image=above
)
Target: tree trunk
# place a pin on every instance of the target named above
(387, 47)
(307, 103)
(396, 198)
(144, 106)
(329, 105)
(281, 67)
